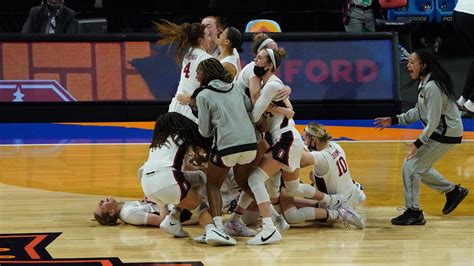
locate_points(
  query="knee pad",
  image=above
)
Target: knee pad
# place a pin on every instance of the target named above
(293, 216)
(257, 185)
(273, 185)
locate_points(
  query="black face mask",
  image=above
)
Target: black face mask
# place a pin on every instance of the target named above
(259, 71)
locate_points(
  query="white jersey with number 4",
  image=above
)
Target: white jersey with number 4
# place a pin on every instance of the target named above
(188, 82)
(331, 164)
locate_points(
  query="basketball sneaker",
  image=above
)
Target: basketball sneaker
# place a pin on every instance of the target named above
(218, 237)
(172, 226)
(454, 197)
(238, 228)
(347, 215)
(201, 239)
(268, 235)
(410, 217)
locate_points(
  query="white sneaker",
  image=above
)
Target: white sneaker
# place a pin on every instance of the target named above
(347, 215)
(281, 224)
(172, 226)
(268, 235)
(362, 195)
(200, 239)
(218, 237)
(238, 228)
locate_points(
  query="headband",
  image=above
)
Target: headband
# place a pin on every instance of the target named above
(272, 57)
(264, 43)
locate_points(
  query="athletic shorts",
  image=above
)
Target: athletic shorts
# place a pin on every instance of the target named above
(288, 149)
(166, 187)
(233, 159)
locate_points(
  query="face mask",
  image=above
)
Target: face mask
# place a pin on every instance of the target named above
(259, 71)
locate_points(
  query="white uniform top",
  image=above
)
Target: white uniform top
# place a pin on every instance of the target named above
(243, 77)
(167, 158)
(188, 82)
(233, 60)
(278, 122)
(465, 6)
(331, 164)
(136, 212)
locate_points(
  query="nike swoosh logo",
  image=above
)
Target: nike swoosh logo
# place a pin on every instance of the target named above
(264, 239)
(225, 237)
(173, 224)
(337, 203)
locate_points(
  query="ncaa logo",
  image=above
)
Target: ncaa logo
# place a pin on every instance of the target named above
(281, 153)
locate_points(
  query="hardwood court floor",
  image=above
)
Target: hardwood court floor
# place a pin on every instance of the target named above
(55, 189)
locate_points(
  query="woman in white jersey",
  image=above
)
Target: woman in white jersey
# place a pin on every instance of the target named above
(162, 179)
(337, 195)
(230, 43)
(191, 41)
(330, 173)
(287, 144)
(144, 212)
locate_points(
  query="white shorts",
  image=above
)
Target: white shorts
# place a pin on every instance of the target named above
(233, 159)
(288, 149)
(183, 109)
(166, 187)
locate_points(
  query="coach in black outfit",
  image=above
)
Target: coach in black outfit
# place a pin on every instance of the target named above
(52, 16)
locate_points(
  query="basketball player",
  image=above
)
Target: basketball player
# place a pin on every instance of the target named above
(287, 147)
(330, 173)
(143, 212)
(337, 193)
(162, 179)
(229, 40)
(215, 27)
(221, 111)
(191, 40)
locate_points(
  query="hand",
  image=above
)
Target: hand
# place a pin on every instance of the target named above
(288, 113)
(412, 152)
(284, 92)
(382, 122)
(183, 98)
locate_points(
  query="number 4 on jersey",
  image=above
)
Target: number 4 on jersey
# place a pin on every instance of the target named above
(186, 70)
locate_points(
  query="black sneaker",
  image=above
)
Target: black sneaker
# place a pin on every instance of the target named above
(410, 217)
(454, 197)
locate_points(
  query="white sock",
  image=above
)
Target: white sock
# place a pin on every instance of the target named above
(218, 222)
(235, 216)
(326, 199)
(175, 214)
(461, 100)
(469, 105)
(275, 214)
(333, 215)
(267, 221)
